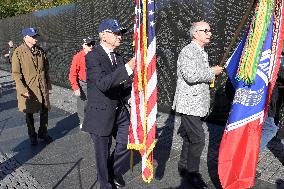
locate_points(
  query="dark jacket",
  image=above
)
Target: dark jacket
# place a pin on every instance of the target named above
(107, 89)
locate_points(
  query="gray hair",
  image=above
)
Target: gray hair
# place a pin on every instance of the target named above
(194, 27)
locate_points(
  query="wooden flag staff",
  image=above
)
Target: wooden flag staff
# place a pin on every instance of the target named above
(236, 35)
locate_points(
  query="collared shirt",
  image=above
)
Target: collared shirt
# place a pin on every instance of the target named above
(108, 51)
(205, 55)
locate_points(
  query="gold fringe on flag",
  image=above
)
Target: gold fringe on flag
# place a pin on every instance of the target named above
(251, 55)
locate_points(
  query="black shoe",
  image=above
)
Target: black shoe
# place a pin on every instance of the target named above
(33, 140)
(182, 172)
(257, 174)
(159, 175)
(118, 181)
(196, 180)
(46, 138)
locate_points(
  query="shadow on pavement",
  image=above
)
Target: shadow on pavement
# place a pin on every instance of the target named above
(166, 135)
(24, 151)
(183, 185)
(277, 148)
(8, 84)
(279, 184)
(8, 105)
(7, 88)
(94, 184)
(76, 165)
(3, 76)
(215, 137)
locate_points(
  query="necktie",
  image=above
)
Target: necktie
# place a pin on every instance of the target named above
(113, 60)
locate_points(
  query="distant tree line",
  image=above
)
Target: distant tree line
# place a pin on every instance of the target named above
(9, 8)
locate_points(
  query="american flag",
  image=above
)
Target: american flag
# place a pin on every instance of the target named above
(142, 130)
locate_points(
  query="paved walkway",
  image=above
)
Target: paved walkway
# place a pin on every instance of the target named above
(68, 162)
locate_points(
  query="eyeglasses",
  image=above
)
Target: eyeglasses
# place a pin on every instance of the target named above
(206, 31)
(34, 37)
(114, 33)
(89, 45)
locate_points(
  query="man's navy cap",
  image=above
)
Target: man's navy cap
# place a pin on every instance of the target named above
(112, 25)
(88, 40)
(30, 32)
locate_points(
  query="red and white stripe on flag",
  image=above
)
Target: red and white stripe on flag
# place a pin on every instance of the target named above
(142, 129)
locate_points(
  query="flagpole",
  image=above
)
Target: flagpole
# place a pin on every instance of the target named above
(236, 35)
(237, 32)
(131, 160)
(136, 21)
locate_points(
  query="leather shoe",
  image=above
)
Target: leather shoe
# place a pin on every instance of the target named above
(46, 138)
(118, 181)
(182, 172)
(33, 140)
(195, 179)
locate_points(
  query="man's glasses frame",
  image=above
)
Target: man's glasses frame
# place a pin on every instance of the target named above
(114, 33)
(206, 31)
(34, 37)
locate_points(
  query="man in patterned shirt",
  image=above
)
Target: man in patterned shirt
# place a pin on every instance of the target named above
(192, 100)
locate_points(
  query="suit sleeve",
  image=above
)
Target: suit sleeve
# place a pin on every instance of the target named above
(17, 74)
(190, 70)
(97, 74)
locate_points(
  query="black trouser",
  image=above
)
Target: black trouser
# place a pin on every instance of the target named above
(82, 100)
(193, 136)
(117, 163)
(43, 123)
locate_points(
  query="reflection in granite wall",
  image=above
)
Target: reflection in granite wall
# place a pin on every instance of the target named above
(172, 24)
(62, 29)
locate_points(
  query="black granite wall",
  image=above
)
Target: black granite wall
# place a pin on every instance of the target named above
(63, 28)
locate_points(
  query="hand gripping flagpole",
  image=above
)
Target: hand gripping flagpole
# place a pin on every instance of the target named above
(236, 35)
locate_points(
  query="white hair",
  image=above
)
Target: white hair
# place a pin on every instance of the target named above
(194, 27)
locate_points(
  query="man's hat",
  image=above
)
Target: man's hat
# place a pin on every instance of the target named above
(88, 40)
(30, 32)
(112, 25)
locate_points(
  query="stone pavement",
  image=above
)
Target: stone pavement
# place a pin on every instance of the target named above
(68, 162)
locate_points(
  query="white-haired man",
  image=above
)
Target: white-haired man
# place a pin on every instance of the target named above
(192, 100)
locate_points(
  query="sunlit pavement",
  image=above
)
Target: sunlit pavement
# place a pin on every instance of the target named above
(69, 163)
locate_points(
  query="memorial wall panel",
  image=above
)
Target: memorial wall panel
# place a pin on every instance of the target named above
(62, 29)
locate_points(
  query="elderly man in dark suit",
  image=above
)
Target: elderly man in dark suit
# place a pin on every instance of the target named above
(108, 90)
(192, 100)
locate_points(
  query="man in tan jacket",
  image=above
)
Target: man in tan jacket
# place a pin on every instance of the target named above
(30, 72)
